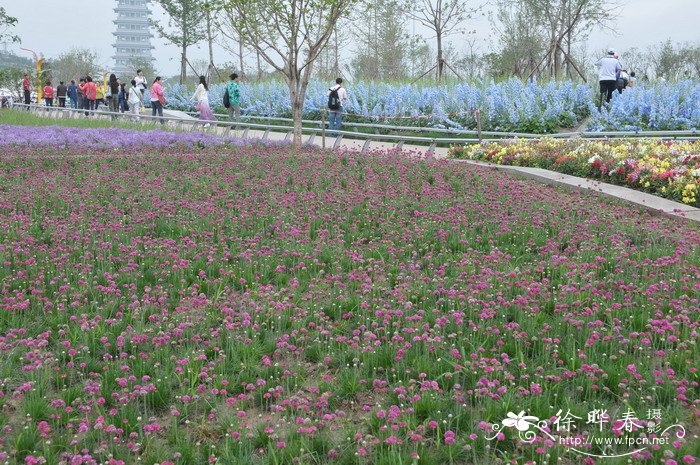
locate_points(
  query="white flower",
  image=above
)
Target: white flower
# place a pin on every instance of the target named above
(593, 159)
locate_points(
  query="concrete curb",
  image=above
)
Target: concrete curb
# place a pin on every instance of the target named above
(652, 203)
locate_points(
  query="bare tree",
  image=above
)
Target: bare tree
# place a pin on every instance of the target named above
(567, 22)
(443, 17)
(187, 22)
(289, 35)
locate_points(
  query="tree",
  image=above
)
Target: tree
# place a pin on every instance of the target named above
(11, 79)
(443, 17)
(567, 22)
(187, 23)
(382, 41)
(521, 42)
(74, 64)
(229, 25)
(6, 23)
(289, 35)
(145, 65)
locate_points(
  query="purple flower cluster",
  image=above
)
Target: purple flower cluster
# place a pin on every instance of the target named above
(248, 305)
(108, 138)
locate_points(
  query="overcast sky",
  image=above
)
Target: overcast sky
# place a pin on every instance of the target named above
(54, 26)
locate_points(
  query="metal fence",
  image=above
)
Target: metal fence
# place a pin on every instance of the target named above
(367, 132)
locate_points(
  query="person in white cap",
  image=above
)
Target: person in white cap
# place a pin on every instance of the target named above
(609, 68)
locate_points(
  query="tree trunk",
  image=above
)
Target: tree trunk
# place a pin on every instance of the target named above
(210, 69)
(297, 107)
(240, 54)
(183, 65)
(440, 59)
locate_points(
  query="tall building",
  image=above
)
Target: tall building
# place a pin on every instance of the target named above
(132, 36)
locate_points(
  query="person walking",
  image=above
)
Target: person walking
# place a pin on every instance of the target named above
(234, 98)
(608, 70)
(48, 94)
(113, 94)
(61, 92)
(337, 96)
(141, 81)
(157, 99)
(72, 92)
(27, 88)
(89, 89)
(201, 94)
(134, 100)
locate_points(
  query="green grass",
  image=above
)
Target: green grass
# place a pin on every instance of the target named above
(25, 118)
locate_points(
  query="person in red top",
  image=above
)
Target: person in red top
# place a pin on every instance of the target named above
(48, 94)
(89, 90)
(27, 87)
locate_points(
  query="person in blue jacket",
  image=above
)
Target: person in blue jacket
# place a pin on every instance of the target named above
(73, 94)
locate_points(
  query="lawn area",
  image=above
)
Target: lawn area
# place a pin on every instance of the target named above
(198, 300)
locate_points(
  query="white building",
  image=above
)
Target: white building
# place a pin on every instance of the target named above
(132, 36)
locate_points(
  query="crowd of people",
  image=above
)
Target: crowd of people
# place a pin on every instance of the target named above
(89, 95)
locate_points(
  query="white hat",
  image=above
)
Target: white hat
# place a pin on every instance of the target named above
(611, 51)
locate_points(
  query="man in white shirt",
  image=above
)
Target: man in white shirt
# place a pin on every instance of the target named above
(335, 105)
(609, 69)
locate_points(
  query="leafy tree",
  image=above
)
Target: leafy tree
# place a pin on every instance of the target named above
(289, 35)
(521, 43)
(11, 79)
(382, 41)
(187, 26)
(74, 64)
(144, 64)
(7, 22)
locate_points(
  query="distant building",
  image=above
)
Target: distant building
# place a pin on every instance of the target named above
(132, 36)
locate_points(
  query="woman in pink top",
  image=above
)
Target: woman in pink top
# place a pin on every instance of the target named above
(89, 90)
(157, 99)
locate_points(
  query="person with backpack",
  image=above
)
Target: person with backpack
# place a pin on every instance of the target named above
(337, 96)
(232, 98)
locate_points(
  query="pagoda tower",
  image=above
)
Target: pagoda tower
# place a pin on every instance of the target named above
(132, 37)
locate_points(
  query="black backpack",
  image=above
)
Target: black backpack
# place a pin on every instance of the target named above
(333, 99)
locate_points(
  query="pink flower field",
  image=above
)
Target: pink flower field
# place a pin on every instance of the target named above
(201, 302)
